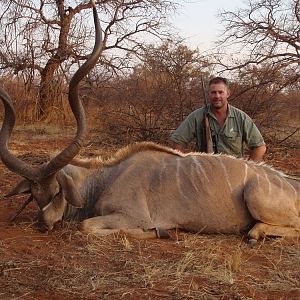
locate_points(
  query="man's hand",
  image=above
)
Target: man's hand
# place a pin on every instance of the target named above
(177, 146)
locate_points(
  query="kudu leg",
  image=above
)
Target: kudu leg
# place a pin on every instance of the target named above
(261, 230)
(271, 200)
(117, 223)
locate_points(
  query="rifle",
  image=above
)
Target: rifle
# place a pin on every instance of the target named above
(206, 133)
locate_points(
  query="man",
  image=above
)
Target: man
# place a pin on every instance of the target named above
(231, 128)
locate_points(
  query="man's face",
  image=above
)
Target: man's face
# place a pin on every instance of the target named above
(218, 94)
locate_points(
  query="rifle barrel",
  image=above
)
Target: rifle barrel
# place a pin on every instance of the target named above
(204, 93)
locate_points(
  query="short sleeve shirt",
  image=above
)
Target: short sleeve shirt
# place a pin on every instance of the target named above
(238, 131)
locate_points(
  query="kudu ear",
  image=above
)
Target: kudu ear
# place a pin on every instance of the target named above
(22, 187)
(70, 191)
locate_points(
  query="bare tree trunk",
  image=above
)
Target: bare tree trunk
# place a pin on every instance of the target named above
(47, 94)
(47, 97)
(37, 36)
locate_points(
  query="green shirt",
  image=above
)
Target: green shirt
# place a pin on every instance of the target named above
(238, 130)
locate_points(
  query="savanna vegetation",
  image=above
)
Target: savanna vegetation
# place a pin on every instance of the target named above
(142, 91)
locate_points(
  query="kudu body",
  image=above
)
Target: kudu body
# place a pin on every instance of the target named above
(147, 188)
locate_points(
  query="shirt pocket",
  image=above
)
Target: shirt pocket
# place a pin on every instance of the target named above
(233, 140)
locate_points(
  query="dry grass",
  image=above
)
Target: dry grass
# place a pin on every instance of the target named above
(73, 265)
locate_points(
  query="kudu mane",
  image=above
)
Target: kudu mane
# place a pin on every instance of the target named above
(123, 154)
(131, 149)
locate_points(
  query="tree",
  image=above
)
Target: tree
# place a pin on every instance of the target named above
(265, 33)
(256, 93)
(260, 48)
(44, 38)
(158, 94)
(180, 67)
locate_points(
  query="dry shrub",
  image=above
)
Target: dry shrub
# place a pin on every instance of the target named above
(26, 102)
(24, 97)
(119, 117)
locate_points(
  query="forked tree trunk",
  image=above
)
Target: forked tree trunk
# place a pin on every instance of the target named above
(47, 94)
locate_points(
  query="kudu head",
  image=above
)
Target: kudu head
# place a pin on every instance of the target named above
(47, 183)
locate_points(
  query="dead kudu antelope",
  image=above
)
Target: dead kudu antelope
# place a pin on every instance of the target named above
(146, 189)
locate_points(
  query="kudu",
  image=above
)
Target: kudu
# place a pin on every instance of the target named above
(146, 189)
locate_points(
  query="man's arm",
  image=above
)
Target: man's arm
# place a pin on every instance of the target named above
(257, 154)
(186, 131)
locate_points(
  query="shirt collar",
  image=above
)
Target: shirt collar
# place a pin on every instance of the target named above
(230, 111)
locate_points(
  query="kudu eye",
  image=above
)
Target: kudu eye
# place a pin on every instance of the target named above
(52, 199)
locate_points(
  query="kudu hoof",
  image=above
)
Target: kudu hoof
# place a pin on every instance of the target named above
(251, 241)
(162, 234)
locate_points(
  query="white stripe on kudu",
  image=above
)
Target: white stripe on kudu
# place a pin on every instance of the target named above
(178, 178)
(246, 174)
(200, 169)
(225, 172)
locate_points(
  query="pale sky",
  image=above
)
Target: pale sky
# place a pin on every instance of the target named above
(197, 20)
